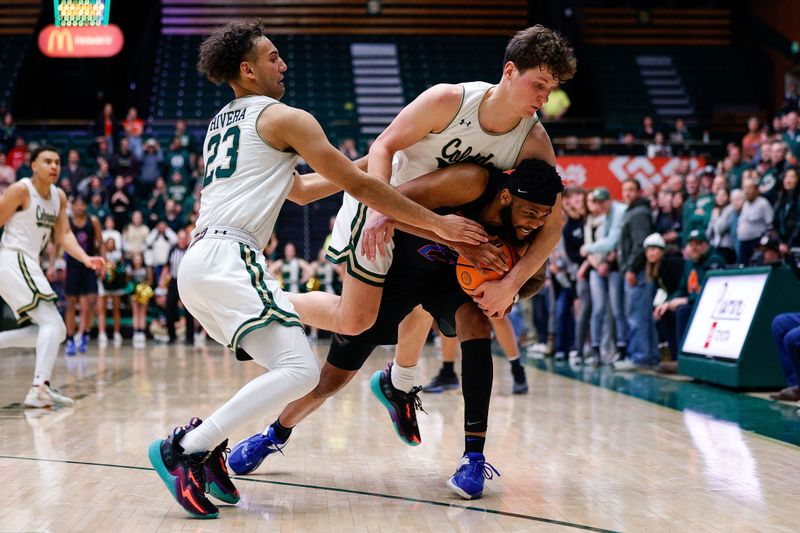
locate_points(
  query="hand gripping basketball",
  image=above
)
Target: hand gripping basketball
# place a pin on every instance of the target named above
(470, 278)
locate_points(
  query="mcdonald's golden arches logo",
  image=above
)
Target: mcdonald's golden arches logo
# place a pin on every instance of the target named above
(60, 39)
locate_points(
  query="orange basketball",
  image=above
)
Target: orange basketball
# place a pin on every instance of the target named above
(470, 277)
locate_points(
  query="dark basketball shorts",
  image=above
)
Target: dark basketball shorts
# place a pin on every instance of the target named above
(80, 281)
(407, 285)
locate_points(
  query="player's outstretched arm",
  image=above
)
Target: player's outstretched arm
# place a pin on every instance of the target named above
(15, 197)
(311, 187)
(66, 239)
(452, 186)
(285, 127)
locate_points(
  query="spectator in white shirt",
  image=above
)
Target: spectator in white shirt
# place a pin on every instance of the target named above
(134, 236)
(158, 245)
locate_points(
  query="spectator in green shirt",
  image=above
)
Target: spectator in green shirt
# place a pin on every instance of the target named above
(700, 259)
(696, 208)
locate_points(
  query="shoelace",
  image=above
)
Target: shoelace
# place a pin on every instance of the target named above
(224, 453)
(267, 442)
(55, 390)
(485, 469)
(413, 398)
(199, 472)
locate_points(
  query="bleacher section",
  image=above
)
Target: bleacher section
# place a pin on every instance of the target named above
(13, 50)
(17, 21)
(18, 17)
(318, 79)
(714, 78)
(655, 27)
(664, 63)
(428, 60)
(439, 17)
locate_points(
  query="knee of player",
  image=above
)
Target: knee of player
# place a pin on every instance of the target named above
(355, 324)
(471, 323)
(329, 385)
(59, 331)
(308, 373)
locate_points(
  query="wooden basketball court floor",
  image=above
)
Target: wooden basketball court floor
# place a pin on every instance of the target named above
(574, 454)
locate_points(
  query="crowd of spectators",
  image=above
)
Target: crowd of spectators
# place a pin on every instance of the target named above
(146, 197)
(622, 281)
(627, 272)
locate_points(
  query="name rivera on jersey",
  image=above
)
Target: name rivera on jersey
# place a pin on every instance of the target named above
(452, 155)
(226, 119)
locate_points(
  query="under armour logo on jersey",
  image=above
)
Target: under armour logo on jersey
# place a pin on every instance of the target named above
(465, 122)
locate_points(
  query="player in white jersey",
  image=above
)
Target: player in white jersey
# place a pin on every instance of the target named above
(251, 148)
(31, 212)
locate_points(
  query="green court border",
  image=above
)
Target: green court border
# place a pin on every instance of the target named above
(774, 420)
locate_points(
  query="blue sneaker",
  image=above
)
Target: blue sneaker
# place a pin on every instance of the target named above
(441, 383)
(82, 345)
(467, 482)
(70, 347)
(248, 454)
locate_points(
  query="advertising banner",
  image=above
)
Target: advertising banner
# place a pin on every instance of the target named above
(610, 171)
(81, 41)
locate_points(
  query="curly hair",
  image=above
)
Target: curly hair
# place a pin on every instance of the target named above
(538, 46)
(225, 49)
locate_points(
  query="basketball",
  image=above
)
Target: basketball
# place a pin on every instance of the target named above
(470, 277)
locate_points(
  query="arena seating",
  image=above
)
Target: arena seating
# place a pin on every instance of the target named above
(13, 49)
(706, 75)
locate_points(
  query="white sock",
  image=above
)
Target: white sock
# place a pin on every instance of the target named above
(294, 372)
(512, 359)
(203, 438)
(403, 378)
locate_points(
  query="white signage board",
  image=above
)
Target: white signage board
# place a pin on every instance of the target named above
(723, 315)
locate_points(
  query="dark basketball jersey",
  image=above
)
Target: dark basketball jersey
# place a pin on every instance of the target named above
(86, 239)
(425, 255)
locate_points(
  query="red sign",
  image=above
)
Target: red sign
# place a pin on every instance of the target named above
(81, 41)
(610, 171)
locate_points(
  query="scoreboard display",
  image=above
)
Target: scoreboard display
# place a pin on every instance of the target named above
(81, 29)
(81, 12)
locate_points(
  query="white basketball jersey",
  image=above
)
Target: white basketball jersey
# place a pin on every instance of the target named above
(29, 230)
(462, 141)
(246, 180)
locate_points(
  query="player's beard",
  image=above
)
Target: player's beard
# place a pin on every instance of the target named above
(509, 232)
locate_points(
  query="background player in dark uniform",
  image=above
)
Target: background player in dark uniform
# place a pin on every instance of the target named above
(81, 284)
(512, 207)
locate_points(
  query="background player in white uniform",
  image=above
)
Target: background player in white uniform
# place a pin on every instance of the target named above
(31, 211)
(250, 152)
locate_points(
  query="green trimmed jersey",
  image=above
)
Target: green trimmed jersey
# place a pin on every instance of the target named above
(246, 180)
